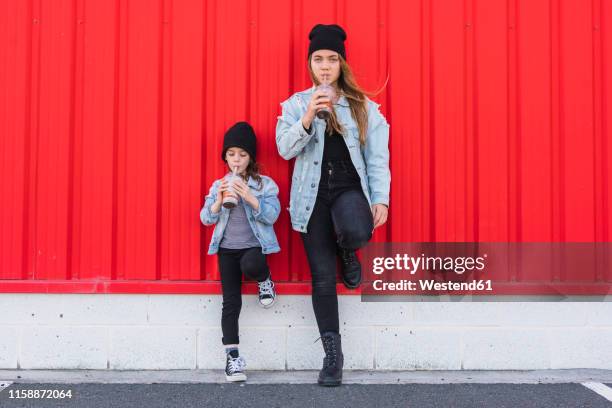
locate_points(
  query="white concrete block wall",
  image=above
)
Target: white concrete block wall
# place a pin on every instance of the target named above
(128, 332)
(521, 348)
(58, 347)
(158, 347)
(418, 348)
(581, 347)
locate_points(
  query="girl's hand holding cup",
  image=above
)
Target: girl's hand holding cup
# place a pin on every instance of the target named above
(223, 187)
(330, 93)
(245, 193)
(320, 100)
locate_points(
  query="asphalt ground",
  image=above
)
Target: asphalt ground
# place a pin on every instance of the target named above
(306, 395)
(297, 389)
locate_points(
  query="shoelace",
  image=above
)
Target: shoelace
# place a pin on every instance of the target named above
(265, 287)
(236, 364)
(330, 350)
(348, 257)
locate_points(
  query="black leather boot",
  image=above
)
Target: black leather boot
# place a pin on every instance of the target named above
(331, 373)
(351, 268)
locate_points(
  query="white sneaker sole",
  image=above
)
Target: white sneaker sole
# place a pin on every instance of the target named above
(268, 305)
(236, 377)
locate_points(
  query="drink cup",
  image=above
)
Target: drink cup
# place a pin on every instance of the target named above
(230, 198)
(324, 113)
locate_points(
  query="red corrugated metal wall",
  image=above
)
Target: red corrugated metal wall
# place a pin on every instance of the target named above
(112, 115)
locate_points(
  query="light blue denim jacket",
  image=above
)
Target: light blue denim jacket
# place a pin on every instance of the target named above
(370, 160)
(261, 222)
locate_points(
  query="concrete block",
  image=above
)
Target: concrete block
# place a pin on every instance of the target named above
(581, 348)
(539, 314)
(353, 312)
(420, 348)
(30, 308)
(9, 336)
(103, 309)
(358, 347)
(289, 310)
(500, 314)
(599, 314)
(264, 348)
(198, 310)
(153, 348)
(506, 349)
(456, 313)
(58, 347)
(211, 354)
(305, 350)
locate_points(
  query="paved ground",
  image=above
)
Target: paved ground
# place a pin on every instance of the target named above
(553, 388)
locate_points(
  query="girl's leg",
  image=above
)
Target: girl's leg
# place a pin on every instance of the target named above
(231, 280)
(320, 246)
(352, 219)
(253, 264)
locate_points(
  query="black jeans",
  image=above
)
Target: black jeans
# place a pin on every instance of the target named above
(341, 217)
(232, 264)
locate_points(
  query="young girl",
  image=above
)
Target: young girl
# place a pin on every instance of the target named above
(242, 235)
(341, 179)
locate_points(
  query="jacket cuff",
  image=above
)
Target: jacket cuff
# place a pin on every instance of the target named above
(303, 132)
(380, 199)
(210, 216)
(257, 213)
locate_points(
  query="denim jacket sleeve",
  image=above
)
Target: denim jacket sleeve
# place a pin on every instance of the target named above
(291, 137)
(207, 217)
(269, 205)
(376, 155)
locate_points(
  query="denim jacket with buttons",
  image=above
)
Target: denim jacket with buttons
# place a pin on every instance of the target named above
(261, 221)
(370, 160)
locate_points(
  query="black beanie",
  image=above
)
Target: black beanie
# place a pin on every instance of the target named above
(327, 37)
(240, 135)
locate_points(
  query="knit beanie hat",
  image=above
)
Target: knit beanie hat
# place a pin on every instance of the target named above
(240, 135)
(327, 37)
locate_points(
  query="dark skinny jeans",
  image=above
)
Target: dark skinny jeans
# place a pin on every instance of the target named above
(232, 264)
(341, 218)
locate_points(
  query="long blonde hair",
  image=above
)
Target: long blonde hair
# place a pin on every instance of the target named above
(356, 97)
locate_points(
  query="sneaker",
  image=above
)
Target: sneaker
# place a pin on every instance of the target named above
(267, 294)
(234, 367)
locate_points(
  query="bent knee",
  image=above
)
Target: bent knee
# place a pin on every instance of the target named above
(354, 237)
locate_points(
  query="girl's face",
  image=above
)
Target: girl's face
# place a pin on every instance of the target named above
(237, 157)
(325, 65)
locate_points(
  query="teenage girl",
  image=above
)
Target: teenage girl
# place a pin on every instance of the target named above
(341, 179)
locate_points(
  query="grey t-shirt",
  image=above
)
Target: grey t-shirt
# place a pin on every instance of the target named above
(238, 233)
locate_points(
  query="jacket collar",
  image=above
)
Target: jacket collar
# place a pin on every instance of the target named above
(253, 183)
